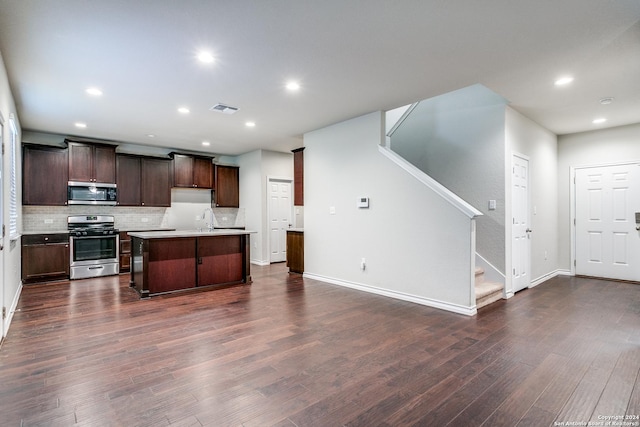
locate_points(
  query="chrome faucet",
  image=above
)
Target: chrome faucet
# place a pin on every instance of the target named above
(204, 216)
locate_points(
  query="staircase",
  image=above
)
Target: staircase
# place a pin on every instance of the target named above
(486, 292)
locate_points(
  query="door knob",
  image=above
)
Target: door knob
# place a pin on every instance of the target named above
(528, 230)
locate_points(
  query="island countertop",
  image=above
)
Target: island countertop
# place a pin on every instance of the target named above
(188, 233)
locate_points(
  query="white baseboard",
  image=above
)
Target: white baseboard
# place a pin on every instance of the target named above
(259, 262)
(12, 310)
(548, 276)
(442, 305)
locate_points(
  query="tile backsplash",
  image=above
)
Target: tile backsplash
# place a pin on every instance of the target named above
(54, 218)
(48, 219)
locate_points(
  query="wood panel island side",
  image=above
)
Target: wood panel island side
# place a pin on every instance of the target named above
(170, 261)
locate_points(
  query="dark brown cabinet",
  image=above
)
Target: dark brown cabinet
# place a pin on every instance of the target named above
(143, 181)
(45, 257)
(227, 186)
(125, 252)
(92, 162)
(192, 171)
(298, 177)
(295, 251)
(128, 180)
(220, 260)
(156, 182)
(44, 175)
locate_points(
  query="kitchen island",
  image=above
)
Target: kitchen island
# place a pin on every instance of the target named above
(171, 261)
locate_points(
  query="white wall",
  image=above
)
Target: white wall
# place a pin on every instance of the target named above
(599, 147)
(255, 169)
(458, 140)
(416, 245)
(10, 265)
(523, 136)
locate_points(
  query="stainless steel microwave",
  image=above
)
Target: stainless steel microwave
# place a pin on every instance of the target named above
(91, 193)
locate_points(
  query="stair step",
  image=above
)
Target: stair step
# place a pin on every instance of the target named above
(487, 293)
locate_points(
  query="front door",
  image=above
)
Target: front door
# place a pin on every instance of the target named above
(520, 228)
(607, 242)
(280, 206)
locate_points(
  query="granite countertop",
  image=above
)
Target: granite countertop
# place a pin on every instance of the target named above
(188, 233)
(297, 230)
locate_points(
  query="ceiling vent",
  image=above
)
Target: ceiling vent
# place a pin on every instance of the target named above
(224, 109)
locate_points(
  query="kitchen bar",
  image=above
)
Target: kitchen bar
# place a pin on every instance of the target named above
(170, 261)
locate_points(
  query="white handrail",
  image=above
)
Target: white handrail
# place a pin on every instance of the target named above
(434, 185)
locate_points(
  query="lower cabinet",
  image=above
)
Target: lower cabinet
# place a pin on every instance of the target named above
(45, 257)
(169, 264)
(295, 251)
(220, 260)
(125, 252)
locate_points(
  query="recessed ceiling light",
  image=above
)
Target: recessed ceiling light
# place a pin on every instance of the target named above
(563, 81)
(94, 91)
(599, 121)
(150, 135)
(250, 124)
(80, 125)
(606, 101)
(206, 143)
(183, 110)
(205, 57)
(293, 86)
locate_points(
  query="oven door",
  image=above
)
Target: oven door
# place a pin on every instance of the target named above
(93, 250)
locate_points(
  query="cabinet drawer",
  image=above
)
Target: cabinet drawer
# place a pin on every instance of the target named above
(43, 239)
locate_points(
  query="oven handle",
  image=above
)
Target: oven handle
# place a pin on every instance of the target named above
(104, 236)
(97, 267)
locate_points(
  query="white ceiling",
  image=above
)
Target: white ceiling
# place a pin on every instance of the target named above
(351, 57)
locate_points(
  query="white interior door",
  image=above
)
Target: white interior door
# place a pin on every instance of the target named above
(280, 207)
(520, 228)
(606, 239)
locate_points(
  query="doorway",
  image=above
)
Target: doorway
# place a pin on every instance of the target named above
(520, 224)
(607, 242)
(280, 214)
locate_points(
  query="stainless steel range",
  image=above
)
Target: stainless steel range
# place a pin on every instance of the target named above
(94, 245)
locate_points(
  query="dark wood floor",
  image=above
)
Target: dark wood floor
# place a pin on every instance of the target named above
(292, 352)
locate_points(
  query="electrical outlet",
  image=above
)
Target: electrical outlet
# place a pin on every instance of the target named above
(363, 264)
(48, 221)
(144, 220)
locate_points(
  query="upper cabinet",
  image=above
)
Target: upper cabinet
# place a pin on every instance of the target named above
(298, 176)
(227, 186)
(44, 177)
(128, 180)
(143, 181)
(92, 162)
(192, 171)
(156, 182)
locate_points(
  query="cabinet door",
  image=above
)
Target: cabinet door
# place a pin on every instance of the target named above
(219, 260)
(227, 186)
(182, 171)
(80, 162)
(156, 182)
(45, 176)
(45, 262)
(104, 164)
(202, 173)
(128, 180)
(171, 264)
